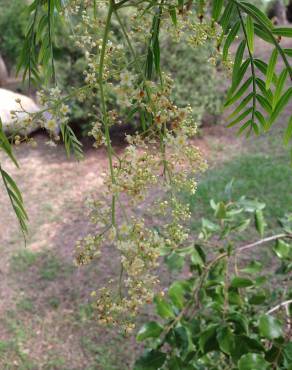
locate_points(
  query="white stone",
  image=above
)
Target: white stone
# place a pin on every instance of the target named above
(8, 103)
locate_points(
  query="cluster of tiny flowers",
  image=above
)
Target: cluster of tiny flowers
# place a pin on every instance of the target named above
(159, 158)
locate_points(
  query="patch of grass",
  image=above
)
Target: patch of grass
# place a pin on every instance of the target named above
(25, 304)
(23, 260)
(50, 268)
(54, 302)
(257, 176)
(104, 357)
(261, 170)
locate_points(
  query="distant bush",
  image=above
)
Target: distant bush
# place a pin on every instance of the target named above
(13, 22)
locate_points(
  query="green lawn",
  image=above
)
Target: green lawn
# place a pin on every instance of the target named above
(262, 170)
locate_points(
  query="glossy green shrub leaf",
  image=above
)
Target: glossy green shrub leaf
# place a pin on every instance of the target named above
(226, 340)
(176, 293)
(208, 339)
(264, 103)
(270, 327)
(163, 308)
(282, 249)
(149, 330)
(240, 282)
(253, 267)
(260, 223)
(150, 360)
(252, 361)
(175, 261)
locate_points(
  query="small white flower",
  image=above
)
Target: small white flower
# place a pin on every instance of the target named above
(126, 78)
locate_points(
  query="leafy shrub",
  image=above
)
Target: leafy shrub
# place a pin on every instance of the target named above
(13, 22)
(233, 311)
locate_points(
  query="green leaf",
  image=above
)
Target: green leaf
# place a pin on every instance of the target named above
(72, 144)
(225, 339)
(239, 93)
(149, 330)
(239, 77)
(252, 361)
(261, 119)
(250, 33)
(282, 31)
(253, 267)
(243, 103)
(150, 360)
(175, 261)
(163, 308)
(271, 68)
(279, 87)
(238, 60)
(283, 101)
(220, 211)
(208, 339)
(225, 19)
(216, 9)
(282, 249)
(240, 117)
(264, 103)
(256, 14)
(240, 282)
(230, 38)
(176, 293)
(263, 67)
(172, 13)
(5, 145)
(270, 327)
(260, 222)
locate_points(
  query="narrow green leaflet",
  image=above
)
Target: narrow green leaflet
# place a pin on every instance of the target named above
(72, 144)
(250, 33)
(217, 8)
(239, 93)
(242, 105)
(271, 68)
(5, 145)
(238, 61)
(15, 200)
(230, 38)
(283, 101)
(282, 31)
(280, 86)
